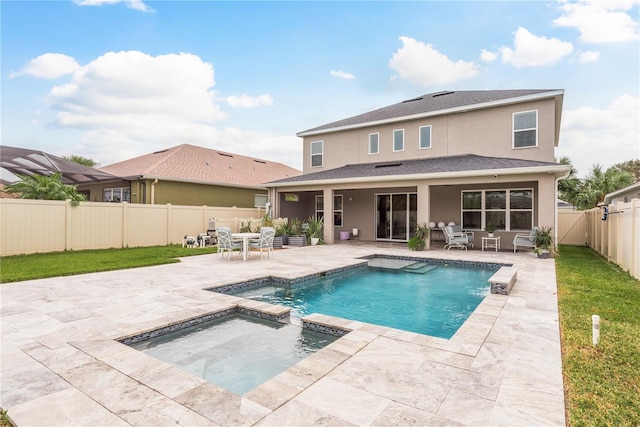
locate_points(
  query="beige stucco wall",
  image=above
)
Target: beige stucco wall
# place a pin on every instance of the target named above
(486, 132)
(181, 193)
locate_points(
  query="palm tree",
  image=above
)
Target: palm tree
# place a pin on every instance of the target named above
(45, 188)
(598, 184)
(568, 186)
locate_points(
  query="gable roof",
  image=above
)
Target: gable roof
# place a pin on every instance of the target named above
(435, 167)
(202, 165)
(438, 103)
(16, 161)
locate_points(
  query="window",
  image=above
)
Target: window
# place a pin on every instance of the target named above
(260, 200)
(398, 140)
(505, 209)
(374, 143)
(525, 129)
(337, 209)
(116, 195)
(425, 137)
(316, 153)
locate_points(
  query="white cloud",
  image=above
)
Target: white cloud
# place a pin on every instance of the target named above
(49, 66)
(600, 21)
(588, 56)
(606, 136)
(488, 56)
(125, 104)
(131, 4)
(422, 64)
(246, 101)
(532, 51)
(342, 74)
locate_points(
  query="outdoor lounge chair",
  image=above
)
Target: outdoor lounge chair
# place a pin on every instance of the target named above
(458, 231)
(452, 241)
(264, 242)
(226, 244)
(524, 240)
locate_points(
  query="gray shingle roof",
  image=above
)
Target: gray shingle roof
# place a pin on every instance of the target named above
(431, 104)
(462, 163)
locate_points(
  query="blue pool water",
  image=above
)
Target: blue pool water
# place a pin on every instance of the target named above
(236, 352)
(435, 303)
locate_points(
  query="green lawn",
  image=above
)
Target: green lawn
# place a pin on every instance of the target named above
(602, 384)
(37, 266)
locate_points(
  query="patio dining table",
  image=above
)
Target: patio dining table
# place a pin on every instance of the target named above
(245, 242)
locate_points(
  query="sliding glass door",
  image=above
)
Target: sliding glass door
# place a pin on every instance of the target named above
(396, 216)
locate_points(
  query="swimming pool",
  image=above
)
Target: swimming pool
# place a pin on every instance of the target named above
(434, 303)
(236, 352)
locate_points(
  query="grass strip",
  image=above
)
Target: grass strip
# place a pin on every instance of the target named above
(602, 383)
(38, 266)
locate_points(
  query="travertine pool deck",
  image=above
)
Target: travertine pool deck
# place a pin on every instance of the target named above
(61, 363)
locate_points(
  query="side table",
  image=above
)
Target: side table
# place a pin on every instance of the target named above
(491, 243)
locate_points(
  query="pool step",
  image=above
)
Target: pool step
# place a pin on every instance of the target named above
(419, 268)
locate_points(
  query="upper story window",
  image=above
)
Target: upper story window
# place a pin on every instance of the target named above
(425, 137)
(525, 129)
(374, 143)
(398, 140)
(317, 148)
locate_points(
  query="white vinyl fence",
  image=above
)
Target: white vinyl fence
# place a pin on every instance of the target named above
(30, 226)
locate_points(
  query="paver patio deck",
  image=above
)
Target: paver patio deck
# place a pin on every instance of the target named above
(61, 364)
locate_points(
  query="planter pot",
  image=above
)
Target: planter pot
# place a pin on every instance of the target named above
(297, 240)
(420, 246)
(278, 242)
(543, 254)
(314, 241)
(490, 235)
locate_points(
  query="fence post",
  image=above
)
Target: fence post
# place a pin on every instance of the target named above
(67, 234)
(169, 220)
(125, 224)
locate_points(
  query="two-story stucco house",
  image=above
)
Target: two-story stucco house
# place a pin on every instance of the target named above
(468, 157)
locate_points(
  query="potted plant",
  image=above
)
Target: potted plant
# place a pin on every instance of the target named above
(297, 237)
(282, 235)
(418, 241)
(543, 240)
(314, 229)
(490, 228)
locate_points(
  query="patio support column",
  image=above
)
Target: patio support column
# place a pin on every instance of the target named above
(327, 194)
(424, 206)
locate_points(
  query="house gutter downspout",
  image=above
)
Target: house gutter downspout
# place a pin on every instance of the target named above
(155, 181)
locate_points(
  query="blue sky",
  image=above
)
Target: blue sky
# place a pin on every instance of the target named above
(114, 79)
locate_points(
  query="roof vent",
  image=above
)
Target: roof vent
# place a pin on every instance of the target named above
(260, 161)
(387, 165)
(225, 154)
(435, 95)
(161, 151)
(413, 99)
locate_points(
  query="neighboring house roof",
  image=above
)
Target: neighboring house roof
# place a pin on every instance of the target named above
(628, 189)
(190, 163)
(450, 166)
(563, 205)
(437, 104)
(22, 161)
